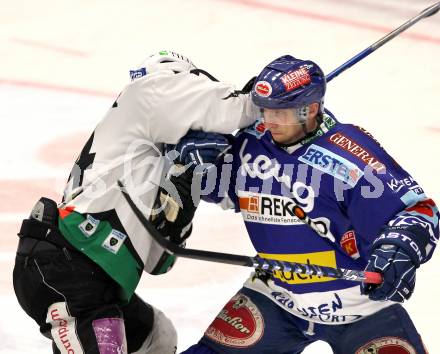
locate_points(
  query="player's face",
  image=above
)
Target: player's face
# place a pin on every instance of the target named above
(283, 124)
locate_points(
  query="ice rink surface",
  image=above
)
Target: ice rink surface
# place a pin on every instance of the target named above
(63, 64)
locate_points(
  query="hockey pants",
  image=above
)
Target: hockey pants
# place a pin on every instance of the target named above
(76, 304)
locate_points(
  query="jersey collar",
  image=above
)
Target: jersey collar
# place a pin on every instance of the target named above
(328, 122)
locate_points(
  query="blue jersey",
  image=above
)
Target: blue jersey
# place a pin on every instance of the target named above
(349, 187)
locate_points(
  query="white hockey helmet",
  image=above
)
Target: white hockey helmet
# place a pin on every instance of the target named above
(163, 60)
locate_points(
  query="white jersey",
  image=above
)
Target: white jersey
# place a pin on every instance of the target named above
(154, 109)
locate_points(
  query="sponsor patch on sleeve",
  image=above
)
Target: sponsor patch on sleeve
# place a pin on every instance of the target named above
(408, 182)
(351, 146)
(349, 244)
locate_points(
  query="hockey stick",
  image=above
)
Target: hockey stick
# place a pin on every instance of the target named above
(433, 9)
(270, 265)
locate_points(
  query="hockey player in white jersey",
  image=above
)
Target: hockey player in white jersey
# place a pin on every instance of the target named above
(79, 262)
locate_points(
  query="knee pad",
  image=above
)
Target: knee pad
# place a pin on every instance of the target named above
(162, 338)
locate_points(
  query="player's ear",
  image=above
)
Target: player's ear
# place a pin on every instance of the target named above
(313, 110)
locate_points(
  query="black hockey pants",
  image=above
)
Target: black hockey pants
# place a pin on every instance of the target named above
(75, 303)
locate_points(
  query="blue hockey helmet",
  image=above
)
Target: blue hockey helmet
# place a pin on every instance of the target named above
(288, 82)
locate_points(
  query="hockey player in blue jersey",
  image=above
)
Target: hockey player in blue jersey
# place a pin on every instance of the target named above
(314, 190)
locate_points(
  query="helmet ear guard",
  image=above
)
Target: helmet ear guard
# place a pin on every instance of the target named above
(302, 113)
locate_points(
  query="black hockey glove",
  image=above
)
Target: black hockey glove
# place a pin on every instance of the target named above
(174, 207)
(172, 215)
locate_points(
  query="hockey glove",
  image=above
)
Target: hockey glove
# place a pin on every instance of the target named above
(398, 271)
(173, 214)
(174, 207)
(198, 148)
(397, 253)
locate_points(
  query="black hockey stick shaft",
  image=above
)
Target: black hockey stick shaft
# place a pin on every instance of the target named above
(270, 265)
(431, 10)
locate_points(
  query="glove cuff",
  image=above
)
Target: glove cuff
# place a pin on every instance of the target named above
(410, 240)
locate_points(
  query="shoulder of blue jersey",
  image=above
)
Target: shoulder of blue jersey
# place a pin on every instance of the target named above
(359, 146)
(344, 152)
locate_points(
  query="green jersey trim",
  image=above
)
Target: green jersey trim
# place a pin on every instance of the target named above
(328, 123)
(104, 246)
